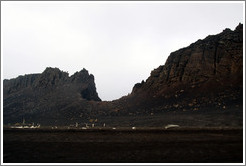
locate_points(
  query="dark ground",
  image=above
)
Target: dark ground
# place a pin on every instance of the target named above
(182, 145)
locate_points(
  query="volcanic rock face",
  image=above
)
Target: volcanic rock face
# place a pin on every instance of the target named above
(207, 75)
(49, 94)
(51, 79)
(207, 71)
(216, 57)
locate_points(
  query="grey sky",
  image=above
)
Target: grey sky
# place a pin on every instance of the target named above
(118, 42)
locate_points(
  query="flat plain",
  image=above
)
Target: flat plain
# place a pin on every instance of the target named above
(123, 145)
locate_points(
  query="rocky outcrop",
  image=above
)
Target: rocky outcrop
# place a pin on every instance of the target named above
(87, 90)
(48, 95)
(216, 58)
(51, 77)
(54, 78)
(209, 71)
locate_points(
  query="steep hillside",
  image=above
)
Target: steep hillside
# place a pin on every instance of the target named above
(48, 96)
(208, 73)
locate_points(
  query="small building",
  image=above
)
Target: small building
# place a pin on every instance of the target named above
(171, 126)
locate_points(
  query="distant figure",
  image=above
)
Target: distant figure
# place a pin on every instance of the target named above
(104, 125)
(93, 125)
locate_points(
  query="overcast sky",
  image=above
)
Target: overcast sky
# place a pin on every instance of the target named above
(118, 42)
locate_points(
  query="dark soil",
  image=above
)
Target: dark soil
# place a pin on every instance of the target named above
(123, 146)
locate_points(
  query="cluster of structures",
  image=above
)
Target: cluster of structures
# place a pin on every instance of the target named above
(25, 125)
(91, 124)
(85, 126)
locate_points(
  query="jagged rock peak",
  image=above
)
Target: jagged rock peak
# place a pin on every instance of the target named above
(55, 72)
(51, 77)
(52, 70)
(82, 75)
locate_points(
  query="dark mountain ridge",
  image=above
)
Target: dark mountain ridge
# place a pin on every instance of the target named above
(216, 57)
(204, 78)
(207, 69)
(50, 94)
(53, 78)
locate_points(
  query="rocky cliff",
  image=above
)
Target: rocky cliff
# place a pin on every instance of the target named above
(208, 72)
(215, 58)
(49, 95)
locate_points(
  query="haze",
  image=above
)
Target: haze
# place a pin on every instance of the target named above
(120, 43)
